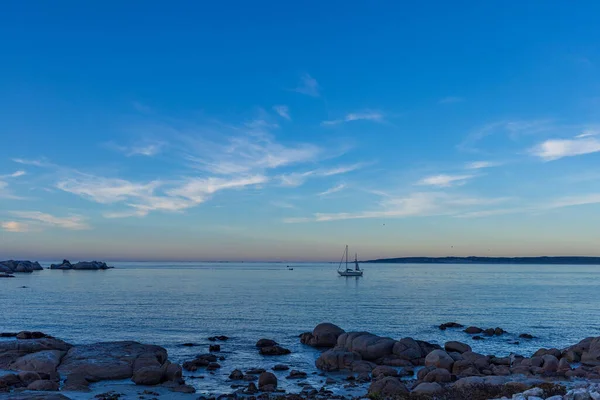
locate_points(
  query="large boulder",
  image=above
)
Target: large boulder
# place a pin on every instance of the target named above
(428, 388)
(267, 381)
(12, 350)
(439, 359)
(45, 361)
(112, 360)
(370, 347)
(457, 347)
(337, 360)
(591, 353)
(407, 349)
(324, 335)
(43, 385)
(387, 387)
(438, 375)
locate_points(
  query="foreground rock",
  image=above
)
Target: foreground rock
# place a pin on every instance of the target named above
(12, 266)
(324, 335)
(82, 265)
(362, 351)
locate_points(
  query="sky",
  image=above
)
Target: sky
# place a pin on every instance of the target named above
(283, 131)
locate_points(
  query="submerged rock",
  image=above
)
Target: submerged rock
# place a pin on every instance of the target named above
(447, 325)
(266, 343)
(274, 351)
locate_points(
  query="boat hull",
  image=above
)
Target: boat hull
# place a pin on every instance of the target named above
(350, 273)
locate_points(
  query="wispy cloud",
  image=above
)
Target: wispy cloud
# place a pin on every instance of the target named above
(333, 189)
(283, 111)
(282, 204)
(106, 190)
(14, 226)
(570, 201)
(588, 133)
(254, 152)
(482, 164)
(308, 86)
(451, 100)
(142, 198)
(360, 116)
(554, 149)
(444, 180)
(36, 163)
(420, 204)
(144, 148)
(74, 222)
(5, 192)
(510, 129)
(143, 108)
(298, 178)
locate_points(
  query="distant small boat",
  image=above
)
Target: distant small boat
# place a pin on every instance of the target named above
(290, 268)
(349, 271)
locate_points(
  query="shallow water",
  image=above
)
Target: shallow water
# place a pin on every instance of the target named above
(173, 303)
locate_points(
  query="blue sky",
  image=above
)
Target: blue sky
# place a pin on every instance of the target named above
(282, 131)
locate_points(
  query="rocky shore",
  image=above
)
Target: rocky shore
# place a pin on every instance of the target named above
(10, 267)
(352, 365)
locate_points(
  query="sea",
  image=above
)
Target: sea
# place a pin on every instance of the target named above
(172, 303)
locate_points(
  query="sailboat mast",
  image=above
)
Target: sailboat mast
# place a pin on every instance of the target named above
(346, 257)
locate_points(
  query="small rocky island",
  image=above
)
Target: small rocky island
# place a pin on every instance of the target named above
(81, 265)
(12, 266)
(9, 267)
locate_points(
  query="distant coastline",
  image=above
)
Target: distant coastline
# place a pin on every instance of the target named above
(560, 260)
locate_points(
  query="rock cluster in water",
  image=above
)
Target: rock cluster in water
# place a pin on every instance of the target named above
(82, 265)
(455, 368)
(11, 266)
(40, 363)
(380, 366)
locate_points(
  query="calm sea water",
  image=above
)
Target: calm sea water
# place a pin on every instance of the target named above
(173, 303)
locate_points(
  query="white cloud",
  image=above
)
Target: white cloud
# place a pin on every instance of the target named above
(14, 226)
(420, 204)
(482, 164)
(588, 133)
(282, 204)
(198, 189)
(444, 180)
(512, 130)
(283, 111)
(451, 100)
(333, 189)
(308, 86)
(364, 116)
(16, 174)
(74, 222)
(296, 179)
(147, 148)
(580, 200)
(246, 154)
(558, 148)
(106, 190)
(36, 163)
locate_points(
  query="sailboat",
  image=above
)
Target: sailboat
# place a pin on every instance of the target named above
(349, 271)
